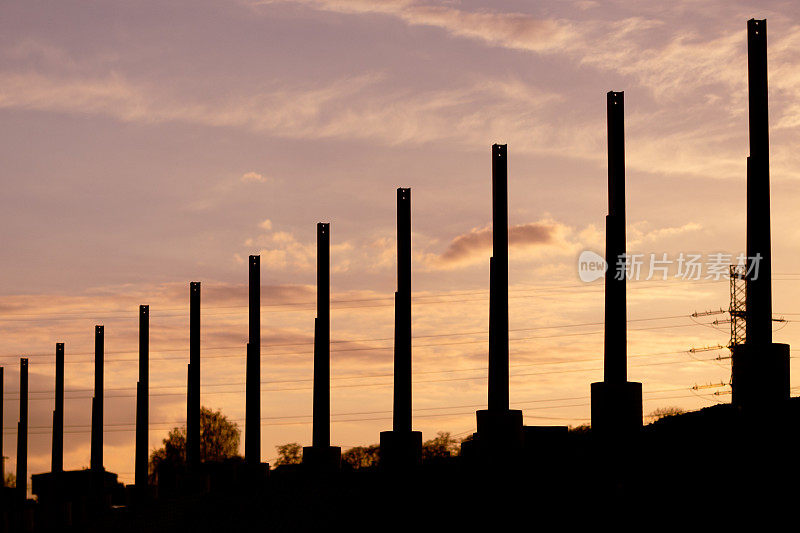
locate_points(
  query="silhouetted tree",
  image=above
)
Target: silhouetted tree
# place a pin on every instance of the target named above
(289, 454)
(580, 429)
(362, 456)
(219, 440)
(442, 446)
(10, 480)
(663, 412)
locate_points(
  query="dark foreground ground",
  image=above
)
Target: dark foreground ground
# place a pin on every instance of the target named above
(717, 463)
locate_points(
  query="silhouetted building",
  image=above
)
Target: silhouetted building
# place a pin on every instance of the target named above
(616, 402)
(321, 456)
(402, 447)
(760, 368)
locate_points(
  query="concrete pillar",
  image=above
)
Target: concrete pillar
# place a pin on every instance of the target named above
(2, 456)
(499, 428)
(402, 336)
(57, 460)
(252, 443)
(498, 357)
(759, 289)
(142, 401)
(96, 461)
(615, 364)
(321, 437)
(760, 368)
(22, 432)
(402, 447)
(321, 455)
(616, 402)
(193, 383)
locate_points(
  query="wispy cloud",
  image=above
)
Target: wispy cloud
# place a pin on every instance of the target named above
(360, 107)
(511, 30)
(641, 232)
(254, 177)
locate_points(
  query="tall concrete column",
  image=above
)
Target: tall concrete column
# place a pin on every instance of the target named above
(759, 286)
(616, 402)
(615, 358)
(22, 432)
(321, 455)
(252, 443)
(760, 368)
(402, 447)
(57, 460)
(96, 461)
(402, 356)
(321, 437)
(142, 401)
(193, 385)
(498, 426)
(498, 327)
(2, 456)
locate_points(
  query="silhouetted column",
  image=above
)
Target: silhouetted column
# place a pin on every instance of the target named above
(22, 432)
(759, 290)
(142, 400)
(57, 463)
(193, 386)
(760, 367)
(493, 350)
(402, 448)
(615, 365)
(498, 356)
(616, 402)
(402, 335)
(2, 456)
(252, 444)
(321, 437)
(321, 456)
(96, 461)
(499, 428)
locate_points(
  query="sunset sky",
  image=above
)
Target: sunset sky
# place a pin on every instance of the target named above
(144, 145)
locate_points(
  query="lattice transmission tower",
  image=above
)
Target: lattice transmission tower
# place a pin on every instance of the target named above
(736, 308)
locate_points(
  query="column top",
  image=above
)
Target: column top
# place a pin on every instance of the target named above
(757, 29)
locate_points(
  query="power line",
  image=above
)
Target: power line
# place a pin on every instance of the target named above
(10, 396)
(364, 376)
(241, 309)
(377, 348)
(373, 339)
(170, 424)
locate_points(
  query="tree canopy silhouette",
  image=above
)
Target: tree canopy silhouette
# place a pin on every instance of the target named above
(289, 454)
(442, 446)
(361, 456)
(219, 440)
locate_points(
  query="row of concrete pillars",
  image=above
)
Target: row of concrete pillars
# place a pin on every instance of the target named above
(760, 367)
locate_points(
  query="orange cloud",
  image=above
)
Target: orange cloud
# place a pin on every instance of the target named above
(476, 244)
